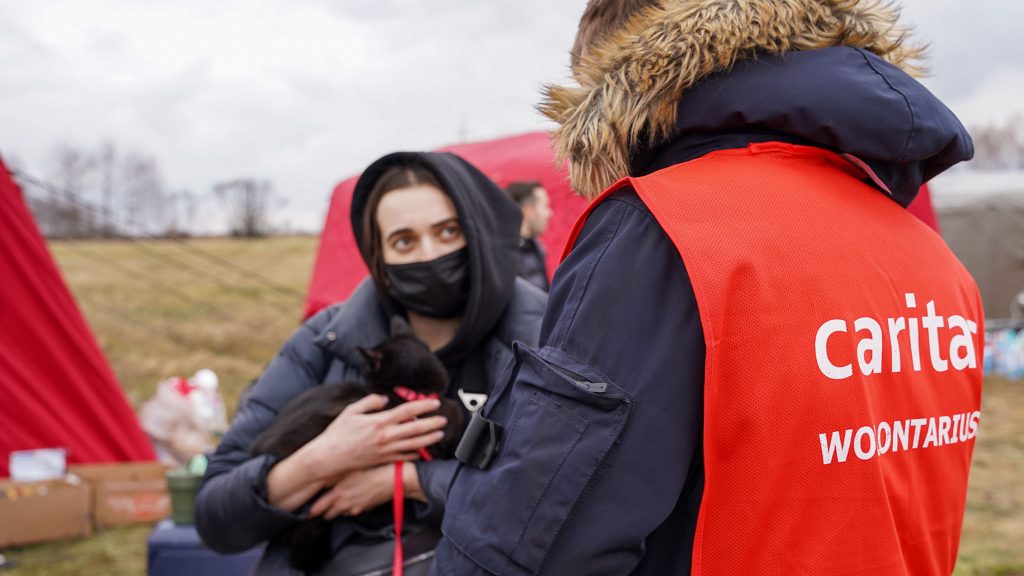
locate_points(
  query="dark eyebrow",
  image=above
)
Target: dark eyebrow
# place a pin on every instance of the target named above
(436, 225)
(398, 232)
(444, 223)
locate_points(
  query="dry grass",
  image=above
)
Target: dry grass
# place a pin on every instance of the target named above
(235, 325)
(161, 311)
(120, 552)
(993, 535)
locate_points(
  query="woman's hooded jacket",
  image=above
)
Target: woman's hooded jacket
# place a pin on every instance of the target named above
(232, 512)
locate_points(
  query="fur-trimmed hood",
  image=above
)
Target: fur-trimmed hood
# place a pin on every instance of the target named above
(631, 81)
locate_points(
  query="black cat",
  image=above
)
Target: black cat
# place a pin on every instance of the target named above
(399, 364)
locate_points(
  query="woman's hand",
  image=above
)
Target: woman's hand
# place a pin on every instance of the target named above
(356, 493)
(366, 489)
(357, 439)
(361, 438)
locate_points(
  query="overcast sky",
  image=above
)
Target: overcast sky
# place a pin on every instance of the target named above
(305, 93)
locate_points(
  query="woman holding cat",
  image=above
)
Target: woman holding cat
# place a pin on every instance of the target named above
(440, 240)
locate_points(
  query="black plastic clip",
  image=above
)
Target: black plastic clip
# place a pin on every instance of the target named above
(479, 443)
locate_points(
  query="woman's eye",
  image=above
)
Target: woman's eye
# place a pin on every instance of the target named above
(401, 244)
(451, 232)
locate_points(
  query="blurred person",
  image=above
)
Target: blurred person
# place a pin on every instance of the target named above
(533, 200)
(439, 239)
(754, 360)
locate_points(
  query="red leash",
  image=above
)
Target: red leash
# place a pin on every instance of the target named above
(398, 500)
(408, 394)
(398, 509)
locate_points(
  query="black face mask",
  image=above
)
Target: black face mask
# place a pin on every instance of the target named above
(438, 288)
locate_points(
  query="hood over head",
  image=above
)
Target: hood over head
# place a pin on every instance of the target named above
(634, 82)
(490, 222)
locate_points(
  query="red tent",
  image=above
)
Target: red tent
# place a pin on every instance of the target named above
(56, 388)
(339, 267)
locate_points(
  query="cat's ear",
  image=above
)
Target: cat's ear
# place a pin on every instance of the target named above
(372, 357)
(400, 327)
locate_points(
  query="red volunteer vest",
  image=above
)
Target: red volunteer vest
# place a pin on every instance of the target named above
(843, 372)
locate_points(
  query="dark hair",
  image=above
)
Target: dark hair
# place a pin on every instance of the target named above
(394, 178)
(601, 18)
(522, 192)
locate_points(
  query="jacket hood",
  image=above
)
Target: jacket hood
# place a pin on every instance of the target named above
(844, 99)
(490, 222)
(631, 81)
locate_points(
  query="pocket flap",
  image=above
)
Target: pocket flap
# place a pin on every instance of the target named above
(560, 420)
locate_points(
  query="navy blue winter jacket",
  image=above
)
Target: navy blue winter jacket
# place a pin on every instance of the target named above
(609, 481)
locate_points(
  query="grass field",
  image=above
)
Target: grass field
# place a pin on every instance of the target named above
(162, 310)
(159, 311)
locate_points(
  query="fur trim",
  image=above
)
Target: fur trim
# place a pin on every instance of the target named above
(631, 81)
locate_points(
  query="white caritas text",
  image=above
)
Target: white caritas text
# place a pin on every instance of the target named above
(887, 337)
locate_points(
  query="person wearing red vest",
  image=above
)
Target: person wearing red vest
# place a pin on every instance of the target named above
(754, 360)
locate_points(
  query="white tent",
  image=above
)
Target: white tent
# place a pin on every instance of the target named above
(981, 215)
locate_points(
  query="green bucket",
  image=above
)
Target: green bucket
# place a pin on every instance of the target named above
(183, 486)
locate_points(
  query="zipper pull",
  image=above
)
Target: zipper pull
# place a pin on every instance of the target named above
(593, 387)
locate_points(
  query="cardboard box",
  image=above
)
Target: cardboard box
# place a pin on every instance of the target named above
(126, 493)
(40, 511)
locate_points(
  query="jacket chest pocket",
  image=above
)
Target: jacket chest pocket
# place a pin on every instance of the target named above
(559, 420)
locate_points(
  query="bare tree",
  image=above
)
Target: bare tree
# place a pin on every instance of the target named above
(104, 192)
(180, 208)
(248, 203)
(142, 193)
(71, 170)
(106, 161)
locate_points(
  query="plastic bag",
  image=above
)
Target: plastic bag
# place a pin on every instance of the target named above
(207, 402)
(174, 428)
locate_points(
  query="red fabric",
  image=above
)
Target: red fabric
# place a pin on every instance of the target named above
(774, 268)
(183, 387)
(339, 267)
(408, 394)
(922, 208)
(398, 509)
(56, 388)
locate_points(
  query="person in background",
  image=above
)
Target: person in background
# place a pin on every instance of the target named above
(533, 200)
(439, 239)
(754, 359)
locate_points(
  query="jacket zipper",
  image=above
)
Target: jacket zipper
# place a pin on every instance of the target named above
(580, 381)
